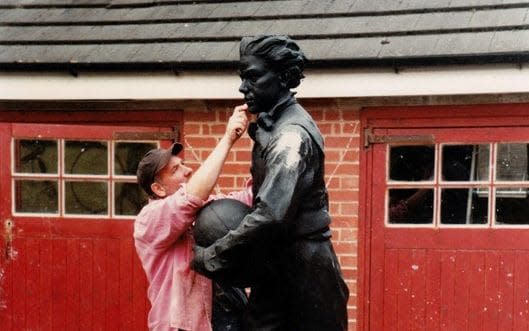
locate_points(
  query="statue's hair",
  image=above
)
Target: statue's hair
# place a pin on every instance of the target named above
(280, 53)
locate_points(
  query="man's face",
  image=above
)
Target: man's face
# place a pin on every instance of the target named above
(172, 175)
(261, 86)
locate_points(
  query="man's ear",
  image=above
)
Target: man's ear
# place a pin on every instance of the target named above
(158, 189)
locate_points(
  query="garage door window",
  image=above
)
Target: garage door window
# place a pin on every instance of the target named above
(458, 185)
(77, 178)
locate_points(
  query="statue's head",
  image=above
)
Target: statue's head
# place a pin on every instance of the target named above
(269, 67)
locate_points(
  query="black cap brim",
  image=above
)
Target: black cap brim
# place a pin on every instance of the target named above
(176, 148)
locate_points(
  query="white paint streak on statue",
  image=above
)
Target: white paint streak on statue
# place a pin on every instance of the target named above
(289, 142)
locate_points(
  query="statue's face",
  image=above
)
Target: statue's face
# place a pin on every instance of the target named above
(261, 86)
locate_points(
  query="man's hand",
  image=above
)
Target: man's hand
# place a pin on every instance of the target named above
(237, 124)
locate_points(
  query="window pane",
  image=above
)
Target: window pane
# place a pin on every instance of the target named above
(410, 206)
(36, 156)
(86, 157)
(129, 198)
(411, 163)
(86, 198)
(464, 206)
(35, 196)
(127, 155)
(512, 206)
(465, 162)
(511, 163)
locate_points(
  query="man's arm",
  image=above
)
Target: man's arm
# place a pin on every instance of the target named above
(204, 179)
(162, 225)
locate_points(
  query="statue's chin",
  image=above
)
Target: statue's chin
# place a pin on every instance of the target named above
(253, 109)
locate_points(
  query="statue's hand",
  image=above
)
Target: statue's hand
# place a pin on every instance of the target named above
(205, 261)
(197, 263)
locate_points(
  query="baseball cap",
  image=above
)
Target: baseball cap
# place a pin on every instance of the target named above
(153, 161)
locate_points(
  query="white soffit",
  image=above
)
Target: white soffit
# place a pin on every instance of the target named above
(224, 85)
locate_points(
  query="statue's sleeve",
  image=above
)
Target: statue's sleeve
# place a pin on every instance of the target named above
(278, 197)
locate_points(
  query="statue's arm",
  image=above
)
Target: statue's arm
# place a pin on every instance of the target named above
(278, 196)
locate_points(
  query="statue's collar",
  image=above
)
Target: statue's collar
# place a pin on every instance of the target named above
(267, 120)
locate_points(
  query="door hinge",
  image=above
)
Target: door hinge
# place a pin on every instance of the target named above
(158, 135)
(371, 138)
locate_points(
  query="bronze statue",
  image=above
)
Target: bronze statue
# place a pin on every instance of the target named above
(299, 285)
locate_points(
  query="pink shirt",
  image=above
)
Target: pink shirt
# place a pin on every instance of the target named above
(180, 298)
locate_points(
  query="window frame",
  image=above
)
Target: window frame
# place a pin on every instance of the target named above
(61, 133)
(437, 184)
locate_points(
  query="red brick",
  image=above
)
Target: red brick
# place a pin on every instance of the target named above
(218, 129)
(345, 195)
(350, 261)
(348, 208)
(333, 183)
(349, 182)
(346, 168)
(243, 156)
(348, 235)
(201, 142)
(339, 196)
(224, 113)
(236, 169)
(349, 273)
(241, 180)
(206, 130)
(344, 221)
(317, 115)
(326, 128)
(332, 115)
(351, 285)
(351, 154)
(337, 128)
(194, 128)
(334, 208)
(226, 182)
(345, 248)
(244, 143)
(194, 154)
(352, 301)
(332, 155)
(350, 115)
(200, 116)
(342, 142)
(350, 128)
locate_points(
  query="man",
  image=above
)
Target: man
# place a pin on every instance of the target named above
(300, 286)
(180, 298)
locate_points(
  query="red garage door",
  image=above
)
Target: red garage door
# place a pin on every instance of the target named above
(68, 199)
(446, 237)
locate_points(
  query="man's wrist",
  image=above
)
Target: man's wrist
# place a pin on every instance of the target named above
(226, 139)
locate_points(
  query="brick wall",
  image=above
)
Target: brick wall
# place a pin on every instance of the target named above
(203, 127)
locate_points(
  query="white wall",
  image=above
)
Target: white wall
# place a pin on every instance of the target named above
(224, 85)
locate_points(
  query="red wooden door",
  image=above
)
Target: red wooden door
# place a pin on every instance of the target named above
(68, 201)
(447, 219)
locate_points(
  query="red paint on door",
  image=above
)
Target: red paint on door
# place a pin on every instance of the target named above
(69, 273)
(437, 277)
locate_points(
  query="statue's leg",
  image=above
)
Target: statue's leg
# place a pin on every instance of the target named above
(317, 293)
(266, 309)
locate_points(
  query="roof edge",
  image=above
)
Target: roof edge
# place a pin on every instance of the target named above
(394, 62)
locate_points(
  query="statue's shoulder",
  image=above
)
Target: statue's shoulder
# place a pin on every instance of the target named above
(297, 117)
